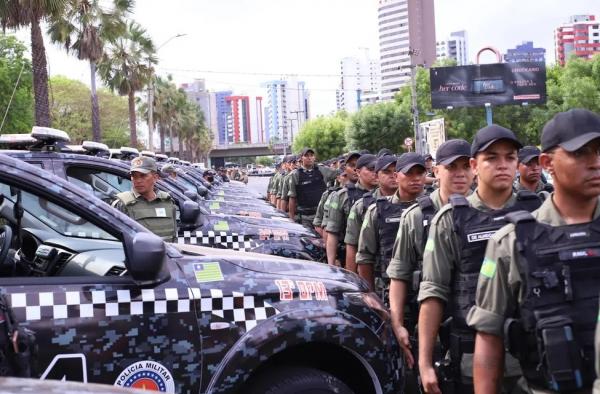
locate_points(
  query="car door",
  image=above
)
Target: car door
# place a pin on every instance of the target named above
(91, 321)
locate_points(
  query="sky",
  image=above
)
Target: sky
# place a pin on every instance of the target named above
(239, 44)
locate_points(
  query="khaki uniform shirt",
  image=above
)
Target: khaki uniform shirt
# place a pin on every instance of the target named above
(326, 208)
(277, 182)
(368, 241)
(355, 220)
(339, 210)
(408, 247)
(317, 222)
(329, 175)
(442, 251)
(499, 289)
(162, 221)
(285, 185)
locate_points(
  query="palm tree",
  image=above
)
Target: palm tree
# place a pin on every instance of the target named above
(15, 14)
(126, 67)
(83, 27)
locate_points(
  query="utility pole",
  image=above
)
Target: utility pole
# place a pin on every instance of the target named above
(419, 139)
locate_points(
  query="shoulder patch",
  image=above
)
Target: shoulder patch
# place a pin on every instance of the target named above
(488, 268)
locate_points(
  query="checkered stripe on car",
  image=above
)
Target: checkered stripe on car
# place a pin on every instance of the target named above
(228, 240)
(235, 307)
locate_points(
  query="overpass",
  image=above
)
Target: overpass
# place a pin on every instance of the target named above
(219, 153)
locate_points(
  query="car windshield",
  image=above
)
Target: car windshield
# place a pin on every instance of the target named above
(53, 216)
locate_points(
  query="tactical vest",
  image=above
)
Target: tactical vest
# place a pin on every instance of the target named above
(309, 190)
(157, 215)
(474, 228)
(388, 221)
(559, 310)
(368, 199)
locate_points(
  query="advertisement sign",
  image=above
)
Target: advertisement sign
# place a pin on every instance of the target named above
(497, 84)
(435, 134)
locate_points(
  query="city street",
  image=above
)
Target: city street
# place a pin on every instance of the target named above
(259, 184)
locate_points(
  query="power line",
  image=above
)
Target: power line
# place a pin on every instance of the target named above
(266, 74)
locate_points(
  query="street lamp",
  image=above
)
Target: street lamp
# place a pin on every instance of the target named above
(151, 95)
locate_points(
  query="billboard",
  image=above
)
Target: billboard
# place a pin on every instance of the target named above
(497, 84)
(435, 134)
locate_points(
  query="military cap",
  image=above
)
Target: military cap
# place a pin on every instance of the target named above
(366, 160)
(384, 152)
(406, 161)
(168, 169)
(571, 130)
(305, 151)
(451, 150)
(527, 153)
(350, 156)
(384, 161)
(143, 164)
(490, 134)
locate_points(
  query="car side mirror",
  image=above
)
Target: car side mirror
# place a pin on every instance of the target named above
(146, 257)
(189, 212)
(202, 191)
(191, 195)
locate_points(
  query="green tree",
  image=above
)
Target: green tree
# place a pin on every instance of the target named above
(71, 112)
(15, 14)
(324, 134)
(265, 161)
(83, 27)
(15, 75)
(126, 67)
(381, 125)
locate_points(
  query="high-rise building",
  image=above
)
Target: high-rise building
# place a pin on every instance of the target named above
(406, 39)
(224, 125)
(197, 93)
(240, 115)
(454, 47)
(579, 37)
(359, 82)
(525, 52)
(287, 109)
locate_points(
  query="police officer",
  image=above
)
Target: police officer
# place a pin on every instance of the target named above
(280, 169)
(382, 219)
(306, 186)
(151, 208)
(455, 176)
(454, 252)
(287, 169)
(285, 183)
(347, 176)
(342, 201)
(271, 183)
(332, 188)
(539, 283)
(430, 179)
(385, 168)
(530, 172)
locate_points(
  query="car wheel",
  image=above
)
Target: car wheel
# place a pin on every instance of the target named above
(296, 380)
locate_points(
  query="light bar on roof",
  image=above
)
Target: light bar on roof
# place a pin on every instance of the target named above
(174, 160)
(74, 149)
(147, 153)
(127, 149)
(95, 146)
(49, 134)
(17, 139)
(161, 157)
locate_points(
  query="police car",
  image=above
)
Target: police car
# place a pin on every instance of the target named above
(87, 294)
(105, 178)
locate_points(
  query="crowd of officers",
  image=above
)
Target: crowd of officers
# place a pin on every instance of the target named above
(490, 272)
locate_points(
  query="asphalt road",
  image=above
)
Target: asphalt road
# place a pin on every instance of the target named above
(259, 184)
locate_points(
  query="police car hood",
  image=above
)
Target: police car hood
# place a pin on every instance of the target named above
(280, 266)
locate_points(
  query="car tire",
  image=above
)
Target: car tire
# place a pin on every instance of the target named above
(296, 380)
